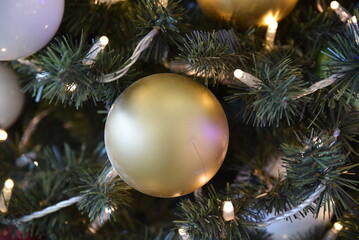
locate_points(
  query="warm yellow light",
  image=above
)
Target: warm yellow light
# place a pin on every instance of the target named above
(164, 3)
(3, 135)
(71, 87)
(271, 21)
(273, 25)
(338, 226)
(108, 210)
(3, 49)
(9, 184)
(104, 41)
(228, 211)
(204, 179)
(238, 73)
(182, 232)
(334, 5)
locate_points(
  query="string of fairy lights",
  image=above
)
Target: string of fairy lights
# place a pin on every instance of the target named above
(228, 210)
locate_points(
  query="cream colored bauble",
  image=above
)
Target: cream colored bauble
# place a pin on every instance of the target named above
(283, 229)
(166, 135)
(291, 229)
(247, 12)
(11, 97)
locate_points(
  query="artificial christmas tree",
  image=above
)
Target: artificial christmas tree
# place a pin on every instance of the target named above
(58, 182)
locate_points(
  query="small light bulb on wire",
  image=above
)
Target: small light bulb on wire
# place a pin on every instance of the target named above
(3, 135)
(164, 3)
(246, 78)
(71, 87)
(95, 50)
(108, 210)
(338, 226)
(108, 2)
(342, 13)
(228, 211)
(183, 233)
(9, 184)
(271, 32)
(5, 195)
(332, 234)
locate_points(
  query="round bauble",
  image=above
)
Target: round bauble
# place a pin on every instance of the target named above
(11, 97)
(247, 12)
(26, 26)
(166, 135)
(292, 229)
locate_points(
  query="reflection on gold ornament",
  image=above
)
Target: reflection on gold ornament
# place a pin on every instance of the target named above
(166, 135)
(247, 12)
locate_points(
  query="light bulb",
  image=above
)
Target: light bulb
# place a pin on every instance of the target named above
(3, 135)
(104, 41)
(228, 211)
(71, 87)
(334, 5)
(238, 73)
(9, 184)
(108, 210)
(183, 233)
(95, 50)
(271, 32)
(338, 226)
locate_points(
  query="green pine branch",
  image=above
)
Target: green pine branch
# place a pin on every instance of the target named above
(274, 99)
(103, 194)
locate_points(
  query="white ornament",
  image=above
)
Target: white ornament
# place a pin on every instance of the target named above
(287, 230)
(290, 229)
(26, 26)
(11, 98)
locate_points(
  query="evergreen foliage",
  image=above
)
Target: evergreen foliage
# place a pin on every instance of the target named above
(315, 135)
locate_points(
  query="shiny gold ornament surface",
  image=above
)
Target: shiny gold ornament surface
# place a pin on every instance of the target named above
(166, 135)
(247, 12)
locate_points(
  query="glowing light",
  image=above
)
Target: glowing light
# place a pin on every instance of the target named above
(272, 23)
(71, 87)
(104, 41)
(271, 32)
(9, 184)
(247, 78)
(108, 210)
(3, 135)
(183, 233)
(164, 3)
(238, 73)
(334, 5)
(342, 13)
(36, 163)
(5, 195)
(95, 50)
(108, 2)
(228, 211)
(338, 226)
(3, 49)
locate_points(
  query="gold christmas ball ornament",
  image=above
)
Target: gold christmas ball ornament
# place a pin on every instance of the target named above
(247, 12)
(166, 135)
